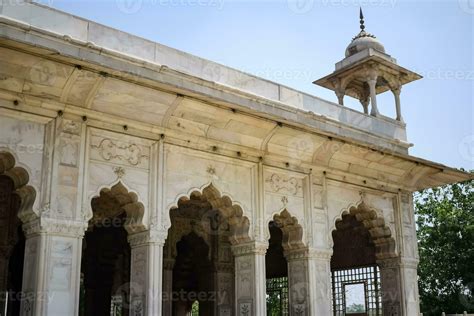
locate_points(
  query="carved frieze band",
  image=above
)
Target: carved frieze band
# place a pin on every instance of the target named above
(305, 253)
(53, 226)
(250, 248)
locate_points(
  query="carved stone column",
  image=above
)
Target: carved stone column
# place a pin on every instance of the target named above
(340, 96)
(390, 283)
(309, 281)
(399, 282)
(52, 266)
(372, 81)
(146, 279)
(365, 104)
(250, 281)
(409, 258)
(409, 278)
(224, 285)
(168, 265)
(396, 94)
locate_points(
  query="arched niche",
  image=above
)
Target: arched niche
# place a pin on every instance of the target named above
(361, 239)
(106, 254)
(219, 207)
(116, 200)
(379, 232)
(16, 202)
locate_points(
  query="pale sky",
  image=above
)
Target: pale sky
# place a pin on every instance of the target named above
(294, 42)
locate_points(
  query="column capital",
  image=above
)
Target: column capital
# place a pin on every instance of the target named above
(308, 253)
(409, 263)
(397, 90)
(340, 96)
(395, 262)
(372, 80)
(53, 226)
(387, 263)
(252, 247)
(157, 237)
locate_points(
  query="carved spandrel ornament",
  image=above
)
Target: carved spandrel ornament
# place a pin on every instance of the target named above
(71, 127)
(245, 308)
(283, 184)
(137, 306)
(69, 152)
(116, 151)
(318, 193)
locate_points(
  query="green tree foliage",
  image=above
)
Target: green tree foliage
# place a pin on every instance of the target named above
(195, 309)
(355, 308)
(445, 227)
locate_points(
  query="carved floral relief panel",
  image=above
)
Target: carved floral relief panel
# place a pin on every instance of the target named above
(410, 246)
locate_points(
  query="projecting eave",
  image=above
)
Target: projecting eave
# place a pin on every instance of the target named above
(381, 168)
(428, 174)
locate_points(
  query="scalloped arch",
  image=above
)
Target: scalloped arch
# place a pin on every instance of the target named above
(380, 233)
(123, 200)
(20, 178)
(233, 211)
(291, 228)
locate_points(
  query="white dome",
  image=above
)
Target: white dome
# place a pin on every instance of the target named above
(362, 42)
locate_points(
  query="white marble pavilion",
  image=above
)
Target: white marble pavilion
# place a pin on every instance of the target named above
(138, 179)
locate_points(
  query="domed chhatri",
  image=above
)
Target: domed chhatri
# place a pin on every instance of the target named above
(363, 41)
(367, 70)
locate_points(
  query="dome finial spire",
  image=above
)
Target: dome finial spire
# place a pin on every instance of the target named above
(361, 15)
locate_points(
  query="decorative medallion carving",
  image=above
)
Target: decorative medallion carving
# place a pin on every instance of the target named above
(245, 308)
(119, 172)
(211, 170)
(111, 150)
(284, 184)
(71, 127)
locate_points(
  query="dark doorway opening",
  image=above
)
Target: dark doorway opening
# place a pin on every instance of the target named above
(355, 275)
(105, 269)
(12, 249)
(276, 268)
